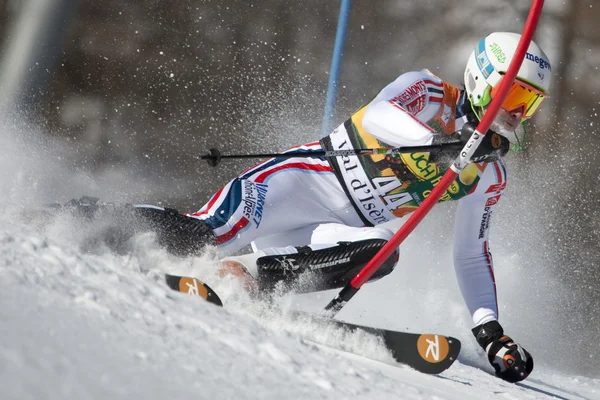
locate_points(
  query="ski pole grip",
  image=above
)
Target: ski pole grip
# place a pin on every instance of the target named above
(213, 158)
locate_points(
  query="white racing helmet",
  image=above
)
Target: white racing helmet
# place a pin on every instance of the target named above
(488, 63)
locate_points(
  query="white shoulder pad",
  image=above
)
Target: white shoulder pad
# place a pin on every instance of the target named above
(398, 114)
(406, 81)
(395, 126)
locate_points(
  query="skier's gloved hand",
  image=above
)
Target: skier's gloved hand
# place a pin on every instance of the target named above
(446, 155)
(492, 147)
(510, 360)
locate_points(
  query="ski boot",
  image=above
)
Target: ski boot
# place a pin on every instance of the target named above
(510, 360)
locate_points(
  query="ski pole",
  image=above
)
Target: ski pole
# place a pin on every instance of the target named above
(461, 161)
(214, 156)
(336, 63)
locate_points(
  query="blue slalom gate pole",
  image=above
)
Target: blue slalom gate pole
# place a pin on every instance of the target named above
(336, 62)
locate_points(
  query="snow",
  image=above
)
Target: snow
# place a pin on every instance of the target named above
(90, 326)
(96, 325)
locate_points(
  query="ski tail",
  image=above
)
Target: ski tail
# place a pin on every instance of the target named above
(194, 287)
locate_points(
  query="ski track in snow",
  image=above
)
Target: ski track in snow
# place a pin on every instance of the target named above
(99, 326)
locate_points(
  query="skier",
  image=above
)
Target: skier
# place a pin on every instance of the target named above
(313, 223)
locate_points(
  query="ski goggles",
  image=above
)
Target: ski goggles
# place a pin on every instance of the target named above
(521, 95)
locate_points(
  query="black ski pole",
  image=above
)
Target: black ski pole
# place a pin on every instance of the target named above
(214, 156)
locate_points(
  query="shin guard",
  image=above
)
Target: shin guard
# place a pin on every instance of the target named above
(329, 268)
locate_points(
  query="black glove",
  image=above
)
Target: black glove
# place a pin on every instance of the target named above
(510, 360)
(492, 147)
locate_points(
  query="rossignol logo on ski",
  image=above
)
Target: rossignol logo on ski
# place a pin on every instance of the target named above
(192, 287)
(433, 348)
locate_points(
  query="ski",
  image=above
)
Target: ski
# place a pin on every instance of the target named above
(194, 287)
(425, 352)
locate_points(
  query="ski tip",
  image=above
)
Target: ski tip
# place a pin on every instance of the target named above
(438, 352)
(436, 348)
(194, 287)
(434, 353)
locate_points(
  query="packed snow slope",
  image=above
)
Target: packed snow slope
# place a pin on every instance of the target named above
(99, 326)
(83, 323)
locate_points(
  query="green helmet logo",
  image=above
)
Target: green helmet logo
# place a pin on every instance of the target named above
(497, 51)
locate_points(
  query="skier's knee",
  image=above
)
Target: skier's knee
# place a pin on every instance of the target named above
(379, 233)
(364, 250)
(388, 265)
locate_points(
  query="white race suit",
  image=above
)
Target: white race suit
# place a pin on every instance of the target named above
(281, 203)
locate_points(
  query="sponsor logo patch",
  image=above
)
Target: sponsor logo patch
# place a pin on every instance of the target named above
(330, 263)
(193, 287)
(485, 221)
(419, 164)
(287, 264)
(497, 51)
(414, 98)
(541, 76)
(543, 64)
(496, 141)
(446, 114)
(483, 62)
(454, 188)
(496, 188)
(492, 201)
(363, 192)
(253, 199)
